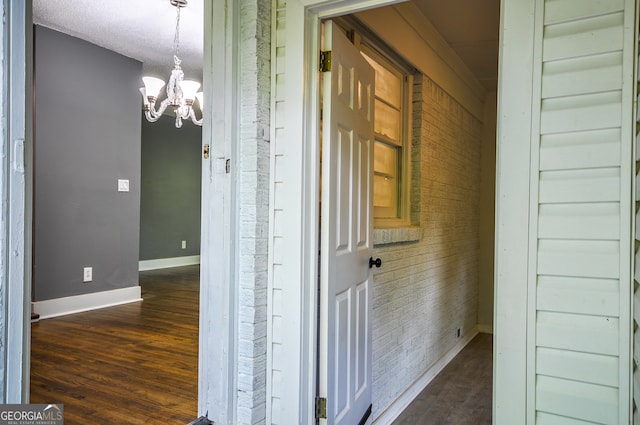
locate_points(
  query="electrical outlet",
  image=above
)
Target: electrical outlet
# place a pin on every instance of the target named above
(184, 244)
(87, 274)
(123, 185)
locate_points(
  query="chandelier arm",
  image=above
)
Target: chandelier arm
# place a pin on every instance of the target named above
(162, 108)
(196, 121)
(150, 116)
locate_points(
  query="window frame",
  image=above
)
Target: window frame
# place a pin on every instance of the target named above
(384, 56)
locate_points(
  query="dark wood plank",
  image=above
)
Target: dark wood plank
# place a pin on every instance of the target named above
(461, 394)
(130, 364)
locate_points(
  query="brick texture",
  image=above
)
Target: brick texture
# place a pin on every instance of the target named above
(253, 186)
(428, 289)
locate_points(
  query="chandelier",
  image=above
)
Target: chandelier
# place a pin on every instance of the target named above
(181, 93)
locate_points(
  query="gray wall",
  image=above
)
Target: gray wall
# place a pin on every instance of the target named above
(87, 136)
(170, 189)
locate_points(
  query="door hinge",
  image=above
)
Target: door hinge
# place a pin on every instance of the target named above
(321, 408)
(325, 61)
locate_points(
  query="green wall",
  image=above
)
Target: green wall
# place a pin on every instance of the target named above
(170, 189)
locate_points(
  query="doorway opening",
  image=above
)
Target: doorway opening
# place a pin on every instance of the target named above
(88, 242)
(450, 197)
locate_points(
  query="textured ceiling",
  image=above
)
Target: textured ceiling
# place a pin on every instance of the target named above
(144, 30)
(140, 29)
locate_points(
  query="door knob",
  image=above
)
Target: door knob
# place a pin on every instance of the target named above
(377, 262)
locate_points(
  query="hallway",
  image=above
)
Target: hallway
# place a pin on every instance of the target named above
(461, 394)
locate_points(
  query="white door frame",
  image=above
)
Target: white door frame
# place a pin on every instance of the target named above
(300, 241)
(15, 213)
(217, 351)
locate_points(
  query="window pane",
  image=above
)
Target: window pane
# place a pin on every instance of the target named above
(385, 159)
(385, 180)
(385, 193)
(388, 85)
(387, 121)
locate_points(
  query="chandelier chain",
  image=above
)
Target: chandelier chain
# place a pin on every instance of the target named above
(176, 39)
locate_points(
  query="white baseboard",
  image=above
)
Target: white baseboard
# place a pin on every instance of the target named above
(394, 410)
(165, 263)
(79, 303)
(485, 329)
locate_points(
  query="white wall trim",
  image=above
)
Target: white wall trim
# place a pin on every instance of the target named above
(86, 302)
(165, 263)
(394, 410)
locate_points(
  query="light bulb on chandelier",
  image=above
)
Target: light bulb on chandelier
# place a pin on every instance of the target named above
(181, 93)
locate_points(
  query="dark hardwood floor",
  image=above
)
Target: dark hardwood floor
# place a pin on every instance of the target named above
(461, 394)
(130, 364)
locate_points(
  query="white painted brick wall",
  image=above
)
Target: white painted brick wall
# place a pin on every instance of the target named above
(426, 290)
(253, 186)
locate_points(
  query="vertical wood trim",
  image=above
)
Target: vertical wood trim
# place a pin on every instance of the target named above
(272, 166)
(218, 257)
(534, 193)
(293, 248)
(15, 281)
(512, 210)
(634, 225)
(627, 216)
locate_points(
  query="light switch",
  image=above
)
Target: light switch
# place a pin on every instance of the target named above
(123, 185)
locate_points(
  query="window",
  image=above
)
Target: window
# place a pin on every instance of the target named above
(396, 198)
(392, 132)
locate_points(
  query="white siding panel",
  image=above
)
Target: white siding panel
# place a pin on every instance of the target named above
(564, 10)
(636, 275)
(578, 400)
(579, 221)
(580, 296)
(636, 382)
(590, 149)
(597, 259)
(578, 113)
(636, 343)
(578, 285)
(585, 367)
(543, 418)
(590, 74)
(576, 332)
(636, 269)
(584, 37)
(636, 304)
(591, 185)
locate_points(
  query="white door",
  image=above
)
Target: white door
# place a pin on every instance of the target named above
(347, 173)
